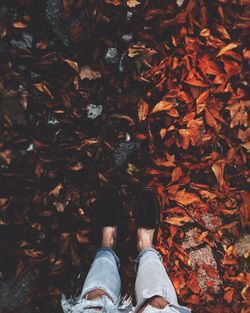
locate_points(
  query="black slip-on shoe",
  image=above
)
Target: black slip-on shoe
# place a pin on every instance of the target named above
(111, 206)
(147, 210)
(111, 213)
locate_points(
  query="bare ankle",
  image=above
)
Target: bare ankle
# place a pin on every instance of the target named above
(96, 294)
(157, 302)
(109, 235)
(145, 238)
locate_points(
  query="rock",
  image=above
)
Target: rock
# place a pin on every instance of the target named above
(211, 222)
(24, 43)
(127, 37)
(111, 55)
(93, 111)
(242, 245)
(52, 120)
(13, 295)
(189, 240)
(199, 258)
(124, 151)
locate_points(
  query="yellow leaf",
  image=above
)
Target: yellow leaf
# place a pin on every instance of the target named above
(228, 47)
(132, 3)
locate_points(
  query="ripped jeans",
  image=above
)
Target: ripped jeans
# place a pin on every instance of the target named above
(151, 280)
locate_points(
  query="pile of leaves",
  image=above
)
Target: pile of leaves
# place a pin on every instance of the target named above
(170, 76)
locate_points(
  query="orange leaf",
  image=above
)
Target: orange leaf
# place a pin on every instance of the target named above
(162, 106)
(114, 2)
(178, 221)
(202, 236)
(211, 271)
(228, 295)
(142, 110)
(185, 198)
(176, 174)
(211, 121)
(19, 25)
(194, 299)
(228, 47)
(193, 282)
(201, 101)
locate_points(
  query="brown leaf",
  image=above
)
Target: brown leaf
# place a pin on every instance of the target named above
(74, 65)
(201, 101)
(218, 169)
(162, 106)
(81, 236)
(238, 113)
(114, 2)
(44, 89)
(87, 73)
(55, 191)
(142, 110)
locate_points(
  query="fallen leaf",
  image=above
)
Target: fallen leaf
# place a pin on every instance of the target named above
(228, 47)
(228, 294)
(74, 65)
(132, 3)
(142, 110)
(211, 271)
(193, 283)
(87, 73)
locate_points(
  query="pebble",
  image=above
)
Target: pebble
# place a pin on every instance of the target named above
(93, 111)
(111, 55)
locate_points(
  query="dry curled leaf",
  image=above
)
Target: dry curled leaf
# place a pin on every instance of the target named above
(142, 107)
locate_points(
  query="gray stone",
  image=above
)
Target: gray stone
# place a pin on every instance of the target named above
(93, 111)
(242, 245)
(124, 151)
(14, 294)
(111, 55)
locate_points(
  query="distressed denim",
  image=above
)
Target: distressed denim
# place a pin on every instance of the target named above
(151, 280)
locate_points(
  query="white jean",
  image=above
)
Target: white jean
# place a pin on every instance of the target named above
(151, 280)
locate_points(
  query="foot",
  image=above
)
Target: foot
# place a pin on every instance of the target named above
(145, 238)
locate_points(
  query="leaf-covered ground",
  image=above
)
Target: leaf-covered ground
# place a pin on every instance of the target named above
(133, 93)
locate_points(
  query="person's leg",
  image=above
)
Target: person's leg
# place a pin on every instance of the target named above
(103, 277)
(153, 286)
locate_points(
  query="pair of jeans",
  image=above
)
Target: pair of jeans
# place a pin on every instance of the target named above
(151, 280)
